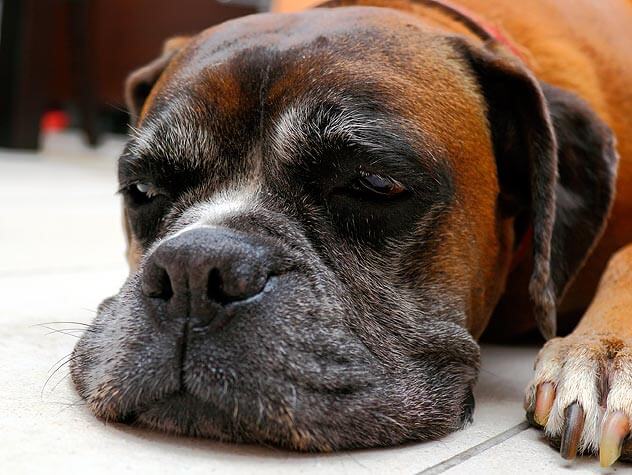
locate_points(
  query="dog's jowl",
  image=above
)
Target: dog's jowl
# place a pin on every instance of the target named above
(325, 210)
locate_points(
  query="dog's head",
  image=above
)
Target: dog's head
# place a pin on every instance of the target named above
(322, 210)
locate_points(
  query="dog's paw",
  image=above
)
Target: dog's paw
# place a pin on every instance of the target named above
(581, 396)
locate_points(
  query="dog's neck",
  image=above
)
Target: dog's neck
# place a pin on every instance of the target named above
(474, 23)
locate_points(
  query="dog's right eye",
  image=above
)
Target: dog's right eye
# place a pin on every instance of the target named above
(142, 193)
(146, 206)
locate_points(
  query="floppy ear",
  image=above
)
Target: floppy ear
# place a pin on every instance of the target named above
(556, 161)
(587, 168)
(139, 83)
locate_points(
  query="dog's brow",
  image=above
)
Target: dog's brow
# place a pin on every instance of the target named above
(158, 149)
(300, 126)
(178, 140)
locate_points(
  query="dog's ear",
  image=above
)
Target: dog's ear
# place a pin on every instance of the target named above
(139, 83)
(556, 160)
(587, 166)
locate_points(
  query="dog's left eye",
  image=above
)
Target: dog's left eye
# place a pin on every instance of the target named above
(379, 184)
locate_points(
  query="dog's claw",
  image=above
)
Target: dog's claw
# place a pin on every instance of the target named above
(545, 396)
(571, 434)
(614, 430)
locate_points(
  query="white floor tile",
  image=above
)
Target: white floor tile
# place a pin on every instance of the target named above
(529, 453)
(58, 214)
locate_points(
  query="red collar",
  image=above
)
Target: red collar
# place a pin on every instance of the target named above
(474, 22)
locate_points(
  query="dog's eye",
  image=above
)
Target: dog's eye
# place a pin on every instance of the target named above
(142, 193)
(379, 184)
(142, 187)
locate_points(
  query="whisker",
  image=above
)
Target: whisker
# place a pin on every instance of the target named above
(483, 370)
(50, 377)
(61, 330)
(64, 363)
(68, 405)
(59, 382)
(60, 322)
(53, 330)
(117, 108)
(69, 355)
(81, 402)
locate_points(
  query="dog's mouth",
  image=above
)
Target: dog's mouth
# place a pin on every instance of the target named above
(308, 387)
(232, 386)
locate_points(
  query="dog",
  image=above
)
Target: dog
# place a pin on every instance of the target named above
(325, 210)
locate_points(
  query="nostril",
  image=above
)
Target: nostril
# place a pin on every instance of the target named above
(238, 287)
(156, 283)
(216, 288)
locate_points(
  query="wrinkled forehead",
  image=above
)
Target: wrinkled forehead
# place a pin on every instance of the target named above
(360, 73)
(340, 33)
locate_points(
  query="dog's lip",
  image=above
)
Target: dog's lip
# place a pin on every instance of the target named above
(182, 398)
(182, 413)
(184, 402)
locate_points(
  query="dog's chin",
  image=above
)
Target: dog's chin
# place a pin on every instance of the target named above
(182, 413)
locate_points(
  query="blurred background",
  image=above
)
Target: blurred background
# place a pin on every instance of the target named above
(63, 62)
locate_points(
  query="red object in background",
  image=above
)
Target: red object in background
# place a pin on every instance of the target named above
(54, 121)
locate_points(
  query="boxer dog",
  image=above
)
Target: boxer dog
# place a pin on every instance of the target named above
(325, 209)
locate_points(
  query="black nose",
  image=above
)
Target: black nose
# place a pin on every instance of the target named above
(197, 271)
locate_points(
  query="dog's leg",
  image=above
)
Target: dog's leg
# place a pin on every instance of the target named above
(582, 390)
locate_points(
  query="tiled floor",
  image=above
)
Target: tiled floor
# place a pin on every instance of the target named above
(61, 252)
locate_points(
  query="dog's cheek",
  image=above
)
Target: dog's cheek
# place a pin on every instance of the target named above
(431, 365)
(430, 402)
(450, 365)
(88, 352)
(104, 361)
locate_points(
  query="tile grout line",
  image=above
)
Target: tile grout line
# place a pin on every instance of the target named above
(458, 459)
